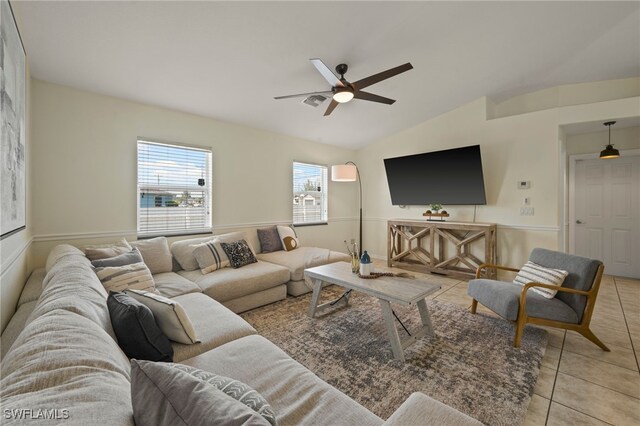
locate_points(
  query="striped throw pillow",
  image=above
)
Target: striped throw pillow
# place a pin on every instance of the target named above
(210, 256)
(119, 278)
(532, 272)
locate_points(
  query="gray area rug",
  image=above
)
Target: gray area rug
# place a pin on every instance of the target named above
(470, 364)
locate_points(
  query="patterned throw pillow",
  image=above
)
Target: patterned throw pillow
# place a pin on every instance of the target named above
(235, 389)
(288, 237)
(269, 239)
(210, 256)
(119, 278)
(239, 253)
(532, 272)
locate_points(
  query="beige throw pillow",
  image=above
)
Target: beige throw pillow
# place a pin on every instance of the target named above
(103, 251)
(532, 272)
(288, 237)
(119, 278)
(169, 314)
(155, 253)
(210, 256)
(183, 251)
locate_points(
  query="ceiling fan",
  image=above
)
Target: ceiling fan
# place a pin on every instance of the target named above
(342, 91)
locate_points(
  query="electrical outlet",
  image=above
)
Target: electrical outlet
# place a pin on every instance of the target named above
(353, 241)
(526, 211)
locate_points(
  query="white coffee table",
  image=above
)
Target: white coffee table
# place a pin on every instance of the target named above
(403, 291)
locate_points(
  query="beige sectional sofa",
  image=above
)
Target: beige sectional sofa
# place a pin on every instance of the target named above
(62, 355)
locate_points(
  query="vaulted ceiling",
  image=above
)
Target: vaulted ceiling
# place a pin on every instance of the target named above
(227, 60)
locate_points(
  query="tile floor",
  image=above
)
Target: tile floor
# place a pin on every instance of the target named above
(579, 384)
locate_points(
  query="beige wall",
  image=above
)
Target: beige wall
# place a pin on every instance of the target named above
(588, 143)
(85, 154)
(526, 146)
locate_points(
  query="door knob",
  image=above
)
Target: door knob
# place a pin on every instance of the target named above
(579, 222)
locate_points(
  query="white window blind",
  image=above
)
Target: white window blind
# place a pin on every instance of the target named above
(309, 194)
(174, 189)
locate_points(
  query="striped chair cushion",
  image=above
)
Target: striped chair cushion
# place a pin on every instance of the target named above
(210, 256)
(532, 272)
(119, 278)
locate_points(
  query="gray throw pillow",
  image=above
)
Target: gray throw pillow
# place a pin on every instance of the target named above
(127, 258)
(270, 239)
(164, 395)
(239, 253)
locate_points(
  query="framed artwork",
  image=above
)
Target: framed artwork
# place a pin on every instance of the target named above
(13, 195)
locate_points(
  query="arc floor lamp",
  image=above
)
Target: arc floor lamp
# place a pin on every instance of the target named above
(349, 172)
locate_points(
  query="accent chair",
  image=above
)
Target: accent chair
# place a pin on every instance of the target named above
(570, 309)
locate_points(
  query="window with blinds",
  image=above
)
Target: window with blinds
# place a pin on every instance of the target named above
(174, 189)
(309, 194)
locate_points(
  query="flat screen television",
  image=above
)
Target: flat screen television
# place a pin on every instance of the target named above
(453, 176)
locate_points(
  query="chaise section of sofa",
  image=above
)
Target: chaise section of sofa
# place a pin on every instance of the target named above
(297, 395)
(296, 261)
(245, 288)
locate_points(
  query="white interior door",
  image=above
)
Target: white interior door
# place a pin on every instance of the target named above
(607, 213)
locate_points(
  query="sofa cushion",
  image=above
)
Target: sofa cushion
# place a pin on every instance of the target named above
(165, 396)
(72, 285)
(156, 254)
(503, 298)
(136, 329)
(123, 259)
(182, 251)
(239, 254)
(62, 360)
(269, 240)
(419, 407)
(33, 288)
(15, 326)
(170, 284)
(304, 257)
(214, 325)
(227, 283)
(169, 315)
(103, 251)
(296, 394)
(210, 256)
(58, 252)
(118, 278)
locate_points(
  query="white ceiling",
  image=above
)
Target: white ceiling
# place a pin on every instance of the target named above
(228, 60)
(598, 126)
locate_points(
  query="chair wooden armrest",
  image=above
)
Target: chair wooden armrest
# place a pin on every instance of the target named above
(527, 286)
(489, 265)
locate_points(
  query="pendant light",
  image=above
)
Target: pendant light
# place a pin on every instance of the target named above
(609, 151)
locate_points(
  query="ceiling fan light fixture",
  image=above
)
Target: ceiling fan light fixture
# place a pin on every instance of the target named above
(343, 96)
(609, 151)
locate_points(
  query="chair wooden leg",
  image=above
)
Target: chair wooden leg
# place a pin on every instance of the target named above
(474, 306)
(519, 330)
(589, 335)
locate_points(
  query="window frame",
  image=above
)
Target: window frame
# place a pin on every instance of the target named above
(324, 219)
(208, 229)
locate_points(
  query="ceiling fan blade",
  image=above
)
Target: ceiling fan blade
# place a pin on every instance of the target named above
(376, 78)
(331, 107)
(328, 92)
(326, 73)
(373, 98)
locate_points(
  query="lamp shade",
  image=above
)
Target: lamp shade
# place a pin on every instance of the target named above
(344, 173)
(609, 152)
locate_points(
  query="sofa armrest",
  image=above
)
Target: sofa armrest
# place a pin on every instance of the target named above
(421, 409)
